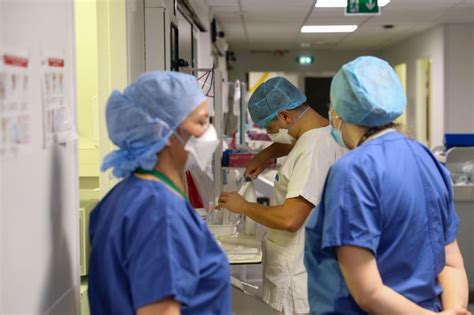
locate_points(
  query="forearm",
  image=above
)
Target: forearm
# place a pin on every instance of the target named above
(274, 217)
(386, 301)
(274, 151)
(163, 307)
(455, 287)
(290, 216)
(362, 277)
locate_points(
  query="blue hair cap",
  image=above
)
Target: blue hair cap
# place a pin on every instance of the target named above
(142, 118)
(271, 97)
(367, 92)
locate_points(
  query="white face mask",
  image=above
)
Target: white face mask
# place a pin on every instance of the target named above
(201, 149)
(282, 136)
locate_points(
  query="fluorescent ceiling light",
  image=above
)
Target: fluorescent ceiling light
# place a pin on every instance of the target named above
(328, 28)
(342, 3)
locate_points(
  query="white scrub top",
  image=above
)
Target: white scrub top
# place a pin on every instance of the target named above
(302, 174)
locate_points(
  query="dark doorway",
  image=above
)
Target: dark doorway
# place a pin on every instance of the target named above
(317, 92)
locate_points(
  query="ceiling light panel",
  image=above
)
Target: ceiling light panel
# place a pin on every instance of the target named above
(328, 28)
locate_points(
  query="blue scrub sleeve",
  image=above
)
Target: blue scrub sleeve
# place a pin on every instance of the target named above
(352, 214)
(162, 259)
(449, 216)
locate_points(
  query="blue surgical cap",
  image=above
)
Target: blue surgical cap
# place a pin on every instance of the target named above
(367, 92)
(142, 118)
(271, 97)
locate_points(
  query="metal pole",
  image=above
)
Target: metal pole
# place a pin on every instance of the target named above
(219, 125)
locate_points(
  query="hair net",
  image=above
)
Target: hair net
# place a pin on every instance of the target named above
(142, 118)
(271, 97)
(367, 92)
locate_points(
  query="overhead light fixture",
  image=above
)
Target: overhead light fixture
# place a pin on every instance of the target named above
(328, 28)
(342, 3)
(305, 45)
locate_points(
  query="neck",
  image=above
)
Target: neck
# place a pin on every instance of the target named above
(168, 167)
(352, 134)
(310, 120)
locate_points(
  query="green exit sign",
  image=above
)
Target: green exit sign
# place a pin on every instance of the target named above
(305, 60)
(362, 7)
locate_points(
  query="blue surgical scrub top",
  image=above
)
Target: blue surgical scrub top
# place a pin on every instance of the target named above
(392, 197)
(149, 244)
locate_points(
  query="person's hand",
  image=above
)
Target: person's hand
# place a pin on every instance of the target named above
(255, 167)
(232, 202)
(458, 311)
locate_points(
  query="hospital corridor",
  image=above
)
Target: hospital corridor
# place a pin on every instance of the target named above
(236, 157)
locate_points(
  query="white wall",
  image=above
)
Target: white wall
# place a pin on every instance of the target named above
(185, 38)
(451, 48)
(205, 59)
(39, 205)
(135, 39)
(255, 77)
(203, 11)
(428, 44)
(326, 62)
(459, 78)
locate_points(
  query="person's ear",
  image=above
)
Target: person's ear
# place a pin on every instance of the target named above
(285, 116)
(172, 138)
(337, 121)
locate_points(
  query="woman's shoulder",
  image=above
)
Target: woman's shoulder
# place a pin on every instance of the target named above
(151, 198)
(134, 187)
(351, 160)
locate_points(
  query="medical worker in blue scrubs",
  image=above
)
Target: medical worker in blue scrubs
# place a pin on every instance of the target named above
(151, 252)
(383, 240)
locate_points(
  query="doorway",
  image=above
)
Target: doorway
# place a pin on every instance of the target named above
(101, 66)
(317, 91)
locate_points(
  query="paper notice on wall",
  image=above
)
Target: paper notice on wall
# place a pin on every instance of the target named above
(15, 111)
(57, 114)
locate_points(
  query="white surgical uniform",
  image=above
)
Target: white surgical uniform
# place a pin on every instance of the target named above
(302, 174)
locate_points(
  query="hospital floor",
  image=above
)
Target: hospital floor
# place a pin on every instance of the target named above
(250, 303)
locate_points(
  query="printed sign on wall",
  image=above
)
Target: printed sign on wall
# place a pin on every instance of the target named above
(57, 118)
(15, 111)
